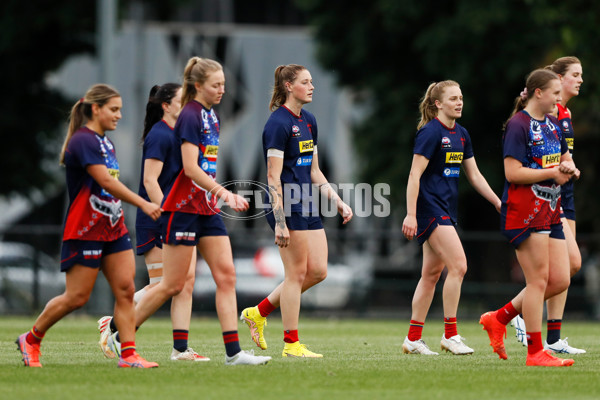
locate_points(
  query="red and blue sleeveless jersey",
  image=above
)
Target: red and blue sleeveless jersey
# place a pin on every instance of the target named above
(199, 126)
(445, 148)
(564, 121)
(296, 136)
(537, 145)
(160, 144)
(93, 213)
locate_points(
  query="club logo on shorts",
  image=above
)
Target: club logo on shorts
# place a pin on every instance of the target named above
(454, 157)
(92, 254)
(549, 194)
(185, 235)
(305, 146)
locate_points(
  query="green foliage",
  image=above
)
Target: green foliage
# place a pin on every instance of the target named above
(363, 360)
(36, 38)
(393, 49)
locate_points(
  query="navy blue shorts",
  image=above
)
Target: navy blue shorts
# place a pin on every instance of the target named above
(89, 253)
(147, 238)
(518, 236)
(297, 222)
(426, 226)
(567, 205)
(187, 229)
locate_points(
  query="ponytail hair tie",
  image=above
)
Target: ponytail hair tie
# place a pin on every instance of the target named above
(82, 100)
(523, 94)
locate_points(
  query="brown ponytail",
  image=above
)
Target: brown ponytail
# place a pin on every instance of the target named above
(81, 112)
(538, 79)
(283, 74)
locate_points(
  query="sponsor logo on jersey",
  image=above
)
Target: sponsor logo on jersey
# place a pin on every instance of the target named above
(454, 157)
(452, 172)
(296, 131)
(305, 145)
(446, 144)
(211, 151)
(570, 142)
(304, 161)
(208, 166)
(550, 160)
(115, 173)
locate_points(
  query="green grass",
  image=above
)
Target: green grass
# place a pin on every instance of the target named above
(363, 360)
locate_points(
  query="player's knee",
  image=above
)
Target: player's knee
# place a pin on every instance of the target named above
(459, 269)
(225, 277)
(78, 300)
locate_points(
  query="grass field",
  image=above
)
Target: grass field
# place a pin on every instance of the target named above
(362, 360)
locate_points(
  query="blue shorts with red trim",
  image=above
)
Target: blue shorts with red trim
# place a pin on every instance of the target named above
(89, 253)
(147, 238)
(187, 229)
(518, 236)
(297, 222)
(426, 226)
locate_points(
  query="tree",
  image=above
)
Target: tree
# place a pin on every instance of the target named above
(390, 51)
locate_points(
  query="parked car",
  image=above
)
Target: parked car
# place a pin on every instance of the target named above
(257, 276)
(18, 283)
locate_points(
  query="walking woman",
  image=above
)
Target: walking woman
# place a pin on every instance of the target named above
(160, 162)
(570, 73)
(95, 236)
(290, 149)
(536, 162)
(442, 146)
(191, 218)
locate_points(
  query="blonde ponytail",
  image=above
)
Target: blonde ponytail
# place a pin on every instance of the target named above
(434, 92)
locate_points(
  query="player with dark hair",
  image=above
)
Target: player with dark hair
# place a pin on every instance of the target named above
(95, 236)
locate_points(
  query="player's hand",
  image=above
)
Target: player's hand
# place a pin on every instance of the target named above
(567, 167)
(237, 202)
(282, 236)
(152, 210)
(409, 227)
(345, 211)
(560, 177)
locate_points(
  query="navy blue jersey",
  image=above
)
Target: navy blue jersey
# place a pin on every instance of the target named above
(445, 148)
(160, 144)
(199, 126)
(296, 136)
(537, 145)
(93, 213)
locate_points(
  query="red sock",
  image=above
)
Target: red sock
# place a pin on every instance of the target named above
(450, 327)
(290, 336)
(534, 342)
(127, 349)
(415, 330)
(506, 313)
(265, 307)
(35, 336)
